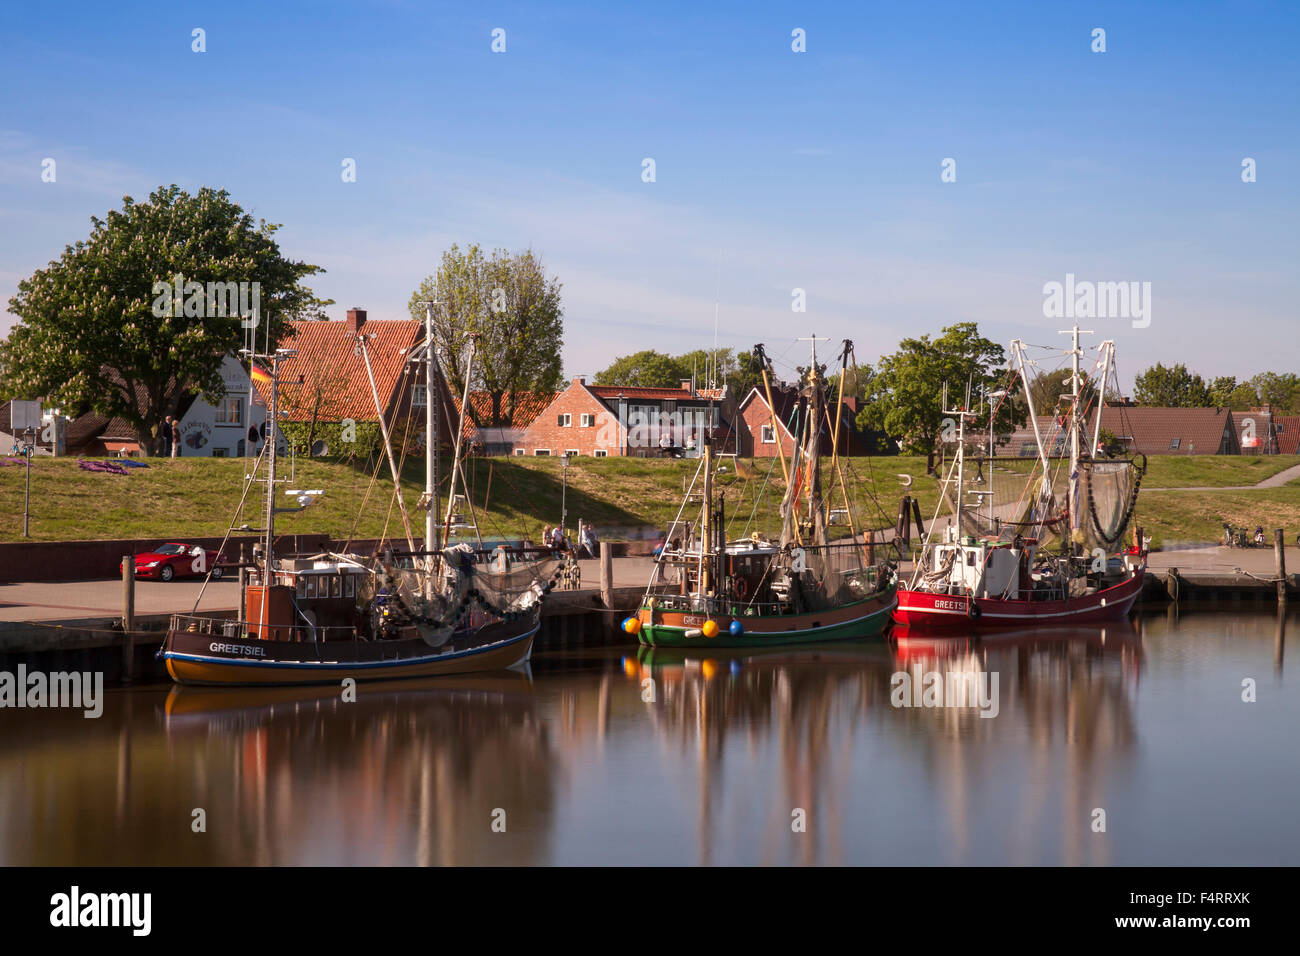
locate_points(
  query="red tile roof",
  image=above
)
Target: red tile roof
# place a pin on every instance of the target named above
(528, 405)
(327, 366)
(1148, 429)
(1287, 428)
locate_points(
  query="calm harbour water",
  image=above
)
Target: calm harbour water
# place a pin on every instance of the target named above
(1143, 719)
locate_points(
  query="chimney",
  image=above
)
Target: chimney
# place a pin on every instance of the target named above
(356, 319)
(579, 380)
(686, 384)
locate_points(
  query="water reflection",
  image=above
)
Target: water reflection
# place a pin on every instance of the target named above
(651, 756)
(409, 773)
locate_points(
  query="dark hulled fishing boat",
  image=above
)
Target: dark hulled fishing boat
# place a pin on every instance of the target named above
(328, 617)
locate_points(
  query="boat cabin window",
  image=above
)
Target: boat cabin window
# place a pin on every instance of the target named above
(311, 585)
(349, 585)
(336, 586)
(970, 558)
(302, 585)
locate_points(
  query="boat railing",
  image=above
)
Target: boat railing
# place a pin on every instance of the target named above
(229, 627)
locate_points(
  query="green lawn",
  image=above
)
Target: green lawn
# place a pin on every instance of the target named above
(198, 496)
(1214, 471)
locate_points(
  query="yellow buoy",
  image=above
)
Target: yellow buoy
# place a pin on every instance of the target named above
(710, 628)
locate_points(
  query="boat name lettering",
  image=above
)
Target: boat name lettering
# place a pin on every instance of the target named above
(691, 621)
(244, 649)
(951, 605)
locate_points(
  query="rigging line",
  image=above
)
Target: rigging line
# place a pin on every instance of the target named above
(680, 510)
(238, 511)
(758, 497)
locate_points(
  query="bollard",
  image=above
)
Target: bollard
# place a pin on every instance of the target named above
(1279, 557)
(606, 575)
(128, 617)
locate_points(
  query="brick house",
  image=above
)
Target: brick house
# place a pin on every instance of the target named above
(326, 382)
(604, 420)
(758, 437)
(503, 439)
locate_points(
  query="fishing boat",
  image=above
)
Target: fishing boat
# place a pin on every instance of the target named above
(1056, 556)
(398, 613)
(798, 587)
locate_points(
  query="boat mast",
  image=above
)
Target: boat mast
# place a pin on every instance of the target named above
(1107, 351)
(1073, 486)
(812, 443)
(431, 394)
(270, 466)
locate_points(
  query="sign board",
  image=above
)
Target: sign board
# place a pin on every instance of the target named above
(24, 415)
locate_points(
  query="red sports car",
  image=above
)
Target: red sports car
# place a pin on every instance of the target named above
(177, 560)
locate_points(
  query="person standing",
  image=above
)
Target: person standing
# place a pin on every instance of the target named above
(176, 436)
(166, 434)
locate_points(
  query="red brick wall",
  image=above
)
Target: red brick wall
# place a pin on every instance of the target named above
(576, 401)
(755, 416)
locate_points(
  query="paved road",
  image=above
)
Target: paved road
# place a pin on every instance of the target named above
(78, 600)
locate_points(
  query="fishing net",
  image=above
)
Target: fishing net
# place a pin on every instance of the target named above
(467, 588)
(1108, 491)
(828, 576)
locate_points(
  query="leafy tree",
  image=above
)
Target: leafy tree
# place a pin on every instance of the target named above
(906, 400)
(1242, 398)
(1051, 391)
(94, 334)
(1172, 387)
(513, 307)
(644, 369)
(1280, 390)
(651, 369)
(1220, 391)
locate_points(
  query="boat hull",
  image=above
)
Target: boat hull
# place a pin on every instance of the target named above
(670, 628)
(213, 660)
(926, 610)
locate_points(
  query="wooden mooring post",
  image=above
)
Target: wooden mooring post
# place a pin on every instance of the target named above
(1279, 556)
(606, 575)
(128, 617)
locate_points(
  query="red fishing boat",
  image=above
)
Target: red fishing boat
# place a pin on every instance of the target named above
(1052, 558)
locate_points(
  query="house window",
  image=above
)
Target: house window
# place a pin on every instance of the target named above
(588, 421)
(571, 452)
(600, 453)
(419, 396)
(218, 453)
(230, 410)
(1174, 443)
(519, 452)
(541, 452)
(564, 421)
(769, 435)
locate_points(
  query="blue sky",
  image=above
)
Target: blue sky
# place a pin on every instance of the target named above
(775, 170)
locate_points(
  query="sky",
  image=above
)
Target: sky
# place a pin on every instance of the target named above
(774, 170)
